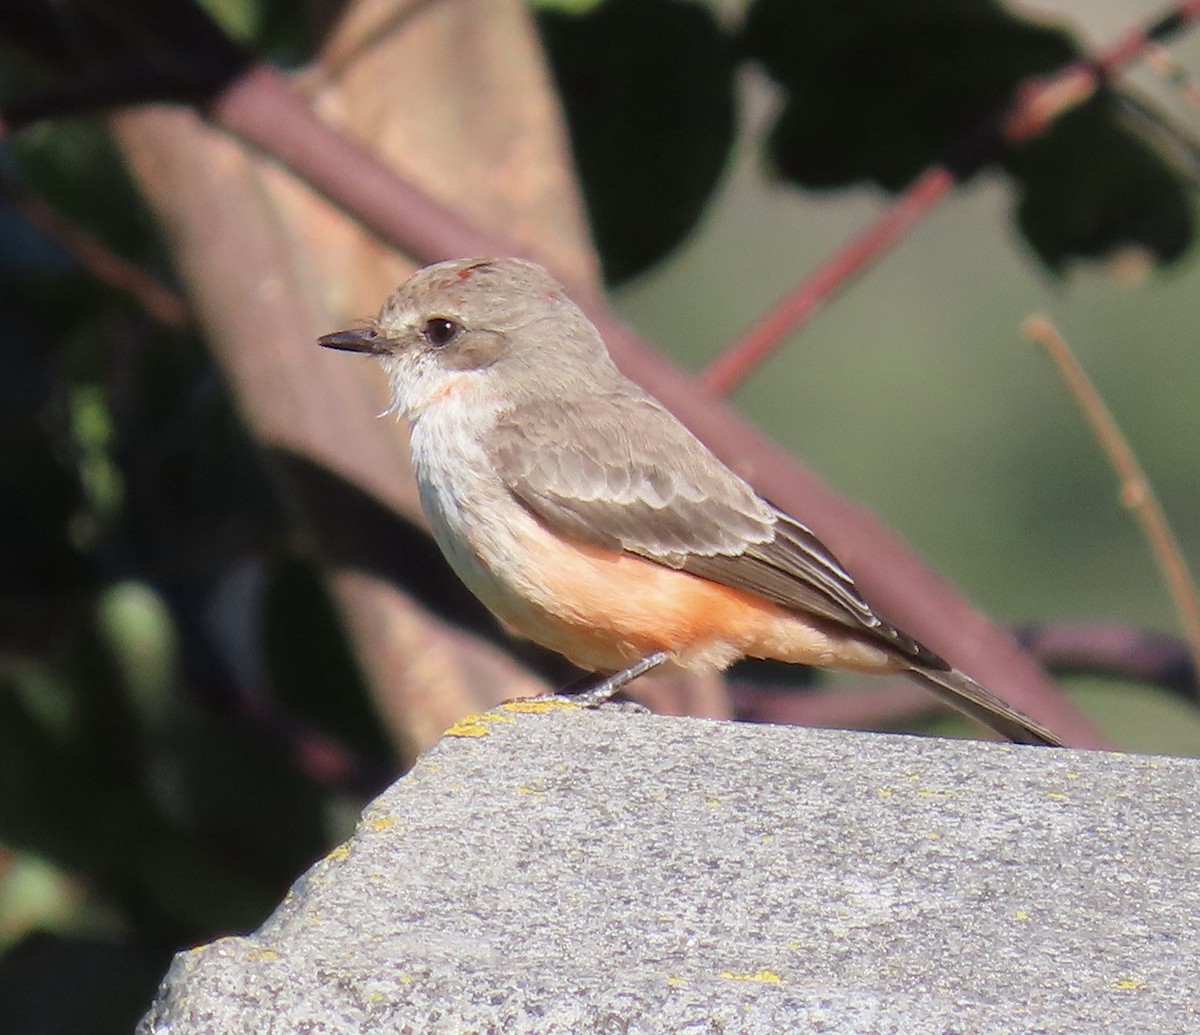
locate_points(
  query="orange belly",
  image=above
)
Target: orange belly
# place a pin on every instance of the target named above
(604, 609)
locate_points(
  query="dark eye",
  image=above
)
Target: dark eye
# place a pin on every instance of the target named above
(439, 331)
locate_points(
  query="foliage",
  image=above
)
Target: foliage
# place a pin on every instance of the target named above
(651, 137)
(183, 727)
(648, 89)
(162, 634)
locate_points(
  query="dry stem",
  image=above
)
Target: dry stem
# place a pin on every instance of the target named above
(1136, 492)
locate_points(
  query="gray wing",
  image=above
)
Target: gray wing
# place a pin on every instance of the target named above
(620, 471)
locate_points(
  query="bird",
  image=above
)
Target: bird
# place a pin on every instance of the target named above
(589, 519)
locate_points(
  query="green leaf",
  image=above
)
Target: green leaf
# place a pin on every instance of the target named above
(879, 92)
(647, 86)
(138, 629)
(1092, 185)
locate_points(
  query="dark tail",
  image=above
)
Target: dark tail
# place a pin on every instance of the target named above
(969, 697)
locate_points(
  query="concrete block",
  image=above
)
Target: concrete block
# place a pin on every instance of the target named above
(546, 869)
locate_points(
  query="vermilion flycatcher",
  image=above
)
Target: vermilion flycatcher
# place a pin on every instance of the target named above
(589, 519)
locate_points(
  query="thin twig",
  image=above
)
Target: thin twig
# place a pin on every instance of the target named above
(1037, 103)
(1136, 491)
(168, 307)
(835, 274)
(262, 109)
(1160, 59)
(1113, 651)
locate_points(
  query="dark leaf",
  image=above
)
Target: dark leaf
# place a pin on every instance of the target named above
(647, 86)
(309, 661)
(879, 92)
(1092, 185)
(51, 985)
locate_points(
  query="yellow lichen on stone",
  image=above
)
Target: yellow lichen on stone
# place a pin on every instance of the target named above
(1129, 984)
(536, 705)
(477, 725)
(258, 955)
(767, 976)
(340, 852)
(469, 726)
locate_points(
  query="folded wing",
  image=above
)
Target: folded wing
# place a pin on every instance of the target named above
(620, 472)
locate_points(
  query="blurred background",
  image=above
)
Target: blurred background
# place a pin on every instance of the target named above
(916, 395)
(185, 724)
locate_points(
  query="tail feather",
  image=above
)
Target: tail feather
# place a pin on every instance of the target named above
(963, 693)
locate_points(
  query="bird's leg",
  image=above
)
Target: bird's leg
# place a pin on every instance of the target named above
(588, 693)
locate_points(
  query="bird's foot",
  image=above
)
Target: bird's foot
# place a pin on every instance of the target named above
(588, 693)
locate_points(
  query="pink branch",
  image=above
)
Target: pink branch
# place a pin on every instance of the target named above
(261, 108)
(1037, 103)
(160, 302)
(890, 706)
(1115, 652)
(732, 365)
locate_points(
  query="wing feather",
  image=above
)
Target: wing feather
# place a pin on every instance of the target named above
(620, 471)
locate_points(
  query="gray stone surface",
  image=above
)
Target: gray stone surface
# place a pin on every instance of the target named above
(565, 871)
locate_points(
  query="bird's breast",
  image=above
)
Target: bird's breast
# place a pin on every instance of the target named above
(461, 494)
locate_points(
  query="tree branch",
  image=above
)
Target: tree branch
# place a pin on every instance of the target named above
(261, 109)
(1037, 103)
(165, 306)
(1136, 491)
(1113, 651)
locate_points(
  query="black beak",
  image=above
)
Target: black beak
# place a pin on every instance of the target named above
(361, 339)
